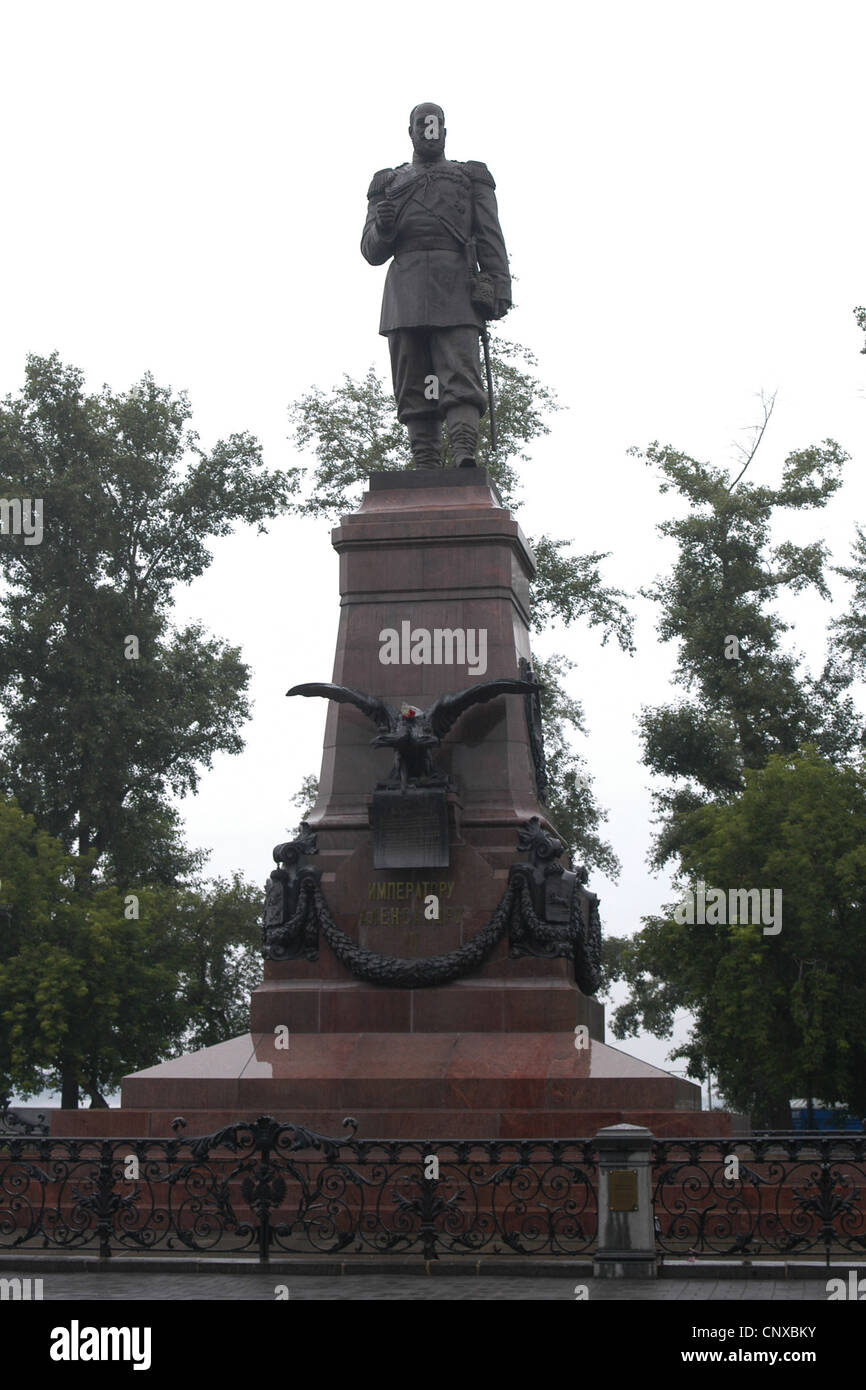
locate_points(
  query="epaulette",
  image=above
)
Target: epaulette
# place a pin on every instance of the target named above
(479, 172)
(379, 182)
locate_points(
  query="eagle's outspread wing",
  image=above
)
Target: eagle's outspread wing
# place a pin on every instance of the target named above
(442, 715)
(382, 715)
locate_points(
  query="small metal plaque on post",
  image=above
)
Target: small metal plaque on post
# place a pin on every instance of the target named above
(410, 828)
(622, 1189)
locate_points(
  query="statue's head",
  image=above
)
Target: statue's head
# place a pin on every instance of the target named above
(427, 130)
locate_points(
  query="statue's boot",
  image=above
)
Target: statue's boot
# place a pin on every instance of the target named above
(425, 441)
(463, 434)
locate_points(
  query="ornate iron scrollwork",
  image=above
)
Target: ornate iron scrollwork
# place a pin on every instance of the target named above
(286, 1190)
(13, 1123)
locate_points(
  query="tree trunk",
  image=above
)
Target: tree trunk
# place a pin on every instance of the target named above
(69, 1091)
(780, 1115)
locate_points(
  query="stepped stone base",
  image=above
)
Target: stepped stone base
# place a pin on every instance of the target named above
(422, 1085)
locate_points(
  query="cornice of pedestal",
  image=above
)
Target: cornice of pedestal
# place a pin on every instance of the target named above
(454, 506)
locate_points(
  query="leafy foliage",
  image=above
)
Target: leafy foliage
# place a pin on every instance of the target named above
(109, 711)
(354, 431)
(97, 737)
(95, 986)
(781, 1015)
(761, 793)
(218, 928)
(306, 796)
(86, 993)
(570, 587)
(571, 804)
(749, 697)
(849, 631)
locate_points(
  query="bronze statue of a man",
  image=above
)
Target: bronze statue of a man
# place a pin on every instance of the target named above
(438, 219)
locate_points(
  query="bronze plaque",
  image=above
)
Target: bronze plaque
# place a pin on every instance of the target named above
(622, 1189)
(410, 828)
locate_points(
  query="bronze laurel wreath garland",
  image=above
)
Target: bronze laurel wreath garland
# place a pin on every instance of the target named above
(313, 915)
(413, 974)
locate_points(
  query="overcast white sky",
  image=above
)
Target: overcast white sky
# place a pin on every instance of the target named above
(681, 192)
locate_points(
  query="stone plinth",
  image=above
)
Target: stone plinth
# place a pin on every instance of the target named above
(448, 1085)
(491, 1054)
(438, 552)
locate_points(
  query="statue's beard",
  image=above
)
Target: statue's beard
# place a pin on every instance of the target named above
(429, 149)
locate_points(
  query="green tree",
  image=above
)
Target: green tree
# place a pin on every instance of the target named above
(305, 797)
(88, 984)
(570, 802)
(776, 1015)
(218, 926)
(849, 631)
(95, 986)
(747, 697)
(109, 710)
(734, 800)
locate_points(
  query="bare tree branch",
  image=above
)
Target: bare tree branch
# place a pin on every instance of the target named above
(758, 432)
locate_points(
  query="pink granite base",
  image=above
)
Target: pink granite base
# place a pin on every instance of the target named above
(433, 1085)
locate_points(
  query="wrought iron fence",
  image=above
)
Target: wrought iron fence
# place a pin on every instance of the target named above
(768, 1195)
(280, 1189)
(14, 1122)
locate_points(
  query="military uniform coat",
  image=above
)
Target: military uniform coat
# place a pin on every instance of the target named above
(440, 206)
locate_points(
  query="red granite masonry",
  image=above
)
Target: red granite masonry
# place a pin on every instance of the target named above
(436, 552)
(490, 1055)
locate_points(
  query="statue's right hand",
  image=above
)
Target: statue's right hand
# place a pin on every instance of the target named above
(386, 216)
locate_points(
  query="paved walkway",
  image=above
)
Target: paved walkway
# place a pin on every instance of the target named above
(393, 1288)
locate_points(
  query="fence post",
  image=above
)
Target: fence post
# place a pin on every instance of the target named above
(626, 1240)
(106, 1200)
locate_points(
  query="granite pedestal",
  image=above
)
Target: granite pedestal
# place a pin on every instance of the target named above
(490, 1054)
